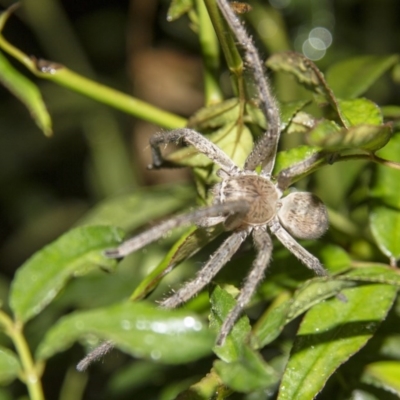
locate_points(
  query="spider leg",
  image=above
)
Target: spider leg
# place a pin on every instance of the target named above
(214, 264)
(94, 355)
(156, 232)
(221, 256)
(265, 149)
(193, 138)
(264, 246)
(300, 252)
(285, 177)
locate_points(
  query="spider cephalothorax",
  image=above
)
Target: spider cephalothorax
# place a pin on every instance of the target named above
(245, 202)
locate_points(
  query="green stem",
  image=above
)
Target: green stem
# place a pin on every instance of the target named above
(267, 18)
(387, 163)
(101, 93)
(323, 161)
(211, 55)
(123, 102)
(226, 39)
(31, 375)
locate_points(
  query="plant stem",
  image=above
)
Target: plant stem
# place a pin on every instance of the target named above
(31, 375)
(210, 52)
(386, 163)
(226, 39)
(63, 76)
(323, 161)
(121, 101)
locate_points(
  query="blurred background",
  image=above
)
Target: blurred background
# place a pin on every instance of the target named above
(48, 184)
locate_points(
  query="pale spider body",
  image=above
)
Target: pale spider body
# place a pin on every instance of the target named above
(247, 203)
(258, 192)
(301, 213)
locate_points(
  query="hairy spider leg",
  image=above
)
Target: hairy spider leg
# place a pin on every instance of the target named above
(284, 178)
(295, 248)
(263, 244)
(265, 149)
(215, 263)
(152, 234)
(97, 353)
(198, 141)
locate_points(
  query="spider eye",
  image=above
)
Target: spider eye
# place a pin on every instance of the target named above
(303, 215)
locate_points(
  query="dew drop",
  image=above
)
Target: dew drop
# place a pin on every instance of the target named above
(155, 354)
(141, 325)
(159, 327)
(126, 325)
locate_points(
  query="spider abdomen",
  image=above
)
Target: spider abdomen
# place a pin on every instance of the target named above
(259, 193)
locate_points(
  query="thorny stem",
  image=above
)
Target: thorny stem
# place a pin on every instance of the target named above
(31, 375)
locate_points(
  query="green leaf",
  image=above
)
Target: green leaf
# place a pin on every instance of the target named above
(322, 131)
(385, 227)
(374, 273)
(362, 137)
(353, 77)
(250, 372)
(385, 210)
(330, 333)
(235, 140)
(360, 112)
(291, 110)
(307, 74)
(178, 8)
(9, 366)
(40, 278)
(207, 388)
(287, 158)
(137, 328)
(270, 325)
(386, 184)
(215, 115)
(303, 69)
(221, 304)
(189, 244)
(335, 258)
(27, 92)
(237, 143)
(383, 374)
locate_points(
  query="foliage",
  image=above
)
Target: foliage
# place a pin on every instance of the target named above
(300, 339)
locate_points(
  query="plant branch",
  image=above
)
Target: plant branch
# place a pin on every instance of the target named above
(61, 75)
(31, 373)
(211, 55)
